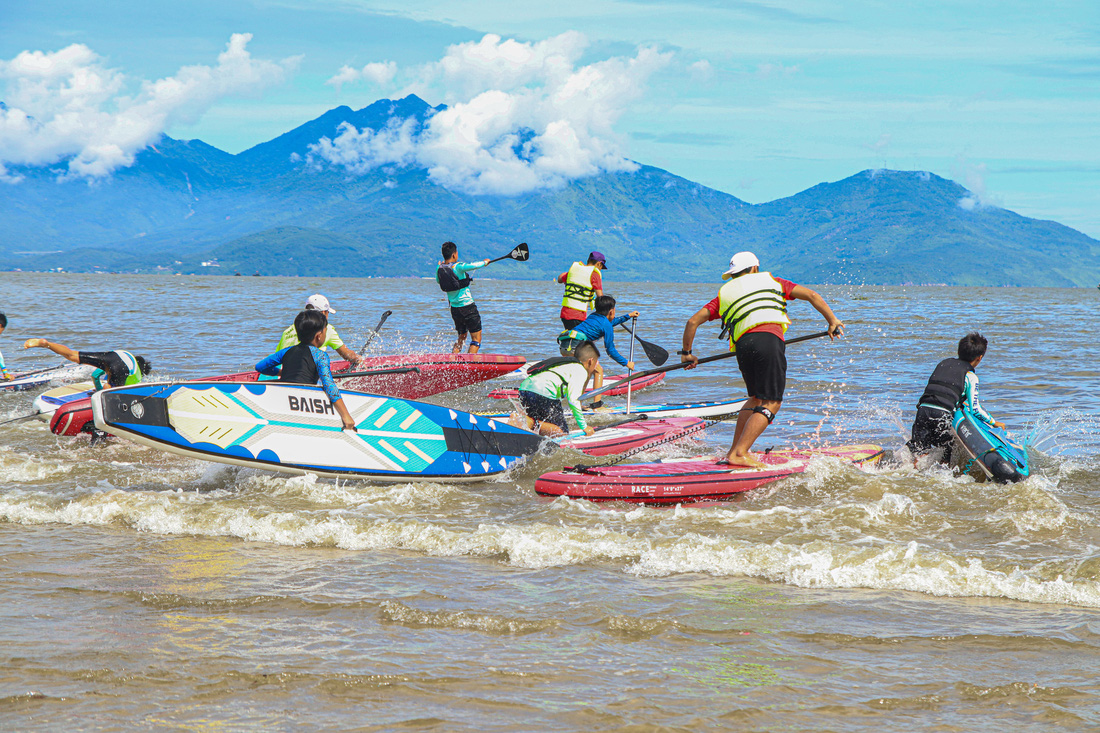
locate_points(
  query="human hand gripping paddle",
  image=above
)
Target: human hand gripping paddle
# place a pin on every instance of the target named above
(685, 365)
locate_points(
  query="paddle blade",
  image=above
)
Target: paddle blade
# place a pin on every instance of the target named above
(656, 355)
(520, 253)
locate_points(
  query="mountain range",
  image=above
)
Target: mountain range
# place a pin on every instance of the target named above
(185, 206)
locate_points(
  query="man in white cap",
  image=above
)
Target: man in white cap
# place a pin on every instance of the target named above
(319, 302)
(753, 309)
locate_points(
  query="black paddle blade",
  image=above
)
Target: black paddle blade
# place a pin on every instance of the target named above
(520, 253)
(656, 355)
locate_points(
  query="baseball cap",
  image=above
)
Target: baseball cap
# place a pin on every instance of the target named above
(740, 261)
(598, 257)
(320, 302)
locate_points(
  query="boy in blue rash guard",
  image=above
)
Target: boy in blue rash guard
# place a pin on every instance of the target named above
(953, 383)
(599, 324)
(306, 363)
(454, 279)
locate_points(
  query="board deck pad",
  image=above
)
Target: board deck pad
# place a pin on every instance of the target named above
(295, 429)
(683, 480)
(51, 399)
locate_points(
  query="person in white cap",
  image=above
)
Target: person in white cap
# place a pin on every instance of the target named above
(753, 310)
(319, 302)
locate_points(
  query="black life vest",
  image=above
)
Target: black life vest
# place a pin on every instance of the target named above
(945, 386)
(448, 281)
(299, 366)
(550, 363)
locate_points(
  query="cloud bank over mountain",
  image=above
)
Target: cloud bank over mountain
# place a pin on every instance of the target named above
(520, 117)
(70, 106)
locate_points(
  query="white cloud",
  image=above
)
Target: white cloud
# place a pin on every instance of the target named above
(379, 73)
(68, 106)
(973, 178)
(521, 116)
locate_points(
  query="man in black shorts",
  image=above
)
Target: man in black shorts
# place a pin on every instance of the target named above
(753, 309)
(454, 279)
(120, 367)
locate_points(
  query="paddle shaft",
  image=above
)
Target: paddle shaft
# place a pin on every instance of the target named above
(634, 327)
(684, 365)
(377, 372)
(41, 371)
(377, 328)
(21, 417)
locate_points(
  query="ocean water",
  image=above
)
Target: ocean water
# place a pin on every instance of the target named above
(143, 590)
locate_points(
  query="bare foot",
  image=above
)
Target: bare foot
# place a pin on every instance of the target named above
(747, 460)
(519, 420)
(32, 343)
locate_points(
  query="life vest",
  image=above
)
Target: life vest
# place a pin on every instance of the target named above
(945, 386)
(548, 364)
(299, 366)
(749, 301)
(571, 335)
(129, 361)
(448, 281)
(578, 287)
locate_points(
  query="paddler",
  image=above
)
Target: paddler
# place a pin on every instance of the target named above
(306, 362)
(454, 279)
(953, 383)
(4, 369)
(600, 324)
(120, 367)
(553, 380)
(582, 284)
(318, 302)
(753, 310)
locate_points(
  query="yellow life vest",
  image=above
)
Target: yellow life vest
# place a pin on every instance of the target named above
(578, 287)
(749, 301)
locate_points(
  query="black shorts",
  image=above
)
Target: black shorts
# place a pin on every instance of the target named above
(571, 323)
(543, 409)
(762, 358)
(931, 430)
(466, 318)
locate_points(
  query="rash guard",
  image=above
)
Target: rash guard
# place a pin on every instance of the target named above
(597, 326)
(462, 296)
(562, 382)
(270, 365)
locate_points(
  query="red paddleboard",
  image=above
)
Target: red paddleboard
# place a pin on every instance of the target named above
(621, 438)
(637, 384)
(676, 481)
(438, 373)
(71, 417)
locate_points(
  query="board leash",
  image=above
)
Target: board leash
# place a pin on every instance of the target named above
(670, 438)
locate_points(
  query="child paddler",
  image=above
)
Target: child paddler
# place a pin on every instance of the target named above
(318, 302)
(953, 383)
(600, 324)
(753, 309)
(120, 367)
(454, 279)
(3, 367)
(553, 380)
(306, 362)
(582, 284)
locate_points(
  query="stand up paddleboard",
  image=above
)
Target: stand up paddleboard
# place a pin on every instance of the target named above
(989, 448)
(46, 403)
(23, 383)
(685, 409)
(294, 429)
(617, 439)
(685, 480)
(638, 384)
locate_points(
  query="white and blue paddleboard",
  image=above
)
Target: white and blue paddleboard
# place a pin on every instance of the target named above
(991, 448)
(294, 429)
(47, 403)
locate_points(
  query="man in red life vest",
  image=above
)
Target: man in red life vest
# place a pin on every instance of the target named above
(753, 309)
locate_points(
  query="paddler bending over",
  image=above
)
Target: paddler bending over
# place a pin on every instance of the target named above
(753, 309)
(953, 383)
(454, 280)
(599, 324)
(306, 362)
(120, 367)
(582, 284)
(551, 381)
(332, 339)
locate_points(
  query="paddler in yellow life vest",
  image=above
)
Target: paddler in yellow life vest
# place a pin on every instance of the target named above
(753, 309)
(582, 284)
(319, 302)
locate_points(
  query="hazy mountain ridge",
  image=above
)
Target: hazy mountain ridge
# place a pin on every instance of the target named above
(267, 209)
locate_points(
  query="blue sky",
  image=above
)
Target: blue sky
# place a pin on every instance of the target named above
(758, 99)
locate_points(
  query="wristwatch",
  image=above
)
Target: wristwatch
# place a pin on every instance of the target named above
(684, 353)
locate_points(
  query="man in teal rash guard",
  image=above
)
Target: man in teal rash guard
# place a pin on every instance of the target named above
(306, 362)
(454, 279)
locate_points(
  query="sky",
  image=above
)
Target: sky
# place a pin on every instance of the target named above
(757, 99)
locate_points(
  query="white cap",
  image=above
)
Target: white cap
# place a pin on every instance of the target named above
(320, 302)
(740, 261)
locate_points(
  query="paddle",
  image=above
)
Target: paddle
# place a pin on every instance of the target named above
(374, 333)
(40, 371)
(682, 365)
(653, 352)
(376, 372)
(21, 417)
(519, 253)
(634, 323)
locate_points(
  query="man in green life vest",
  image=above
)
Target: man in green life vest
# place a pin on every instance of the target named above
(753, 309)
(333, 341)
(120, 367)
(582, 284)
